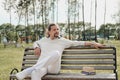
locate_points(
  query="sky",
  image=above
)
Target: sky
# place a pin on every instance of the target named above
(111, 9)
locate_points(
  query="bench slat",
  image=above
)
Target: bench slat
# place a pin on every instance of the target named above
(30, 57)
(74, 57)
(80, 77)
(76, 62)
(71, 76)
(29, 62)
(29, 53)
(88, 62)
(88, 57)
(67, 51)
(80, 67)
(89, 51)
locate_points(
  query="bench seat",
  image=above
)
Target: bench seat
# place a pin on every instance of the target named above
(75, 76)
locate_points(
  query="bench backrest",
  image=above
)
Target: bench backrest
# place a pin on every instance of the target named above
(75, 58)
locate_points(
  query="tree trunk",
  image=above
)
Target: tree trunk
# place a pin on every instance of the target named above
(104, 18)
(90, 20)
(83, 20)
(95, 20)
(69, 18)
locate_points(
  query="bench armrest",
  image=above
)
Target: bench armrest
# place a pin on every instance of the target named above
(15, 70)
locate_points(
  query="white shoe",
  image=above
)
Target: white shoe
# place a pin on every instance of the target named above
(20, 76)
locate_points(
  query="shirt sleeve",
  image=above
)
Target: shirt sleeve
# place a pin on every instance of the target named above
(77, 43)
(36, 44)
(68, 43)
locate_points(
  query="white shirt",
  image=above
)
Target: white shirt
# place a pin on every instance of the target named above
(47, 45)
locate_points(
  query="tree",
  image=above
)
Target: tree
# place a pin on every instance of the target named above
(117, 19)
(107, 30)
(8, 31)
(90, 18)
(73, 16)
(8, 5)
(118, 30)
(101, 31)
(83, 20)
(95, 20)
(69, 18)
(105, 17)
(116, 16)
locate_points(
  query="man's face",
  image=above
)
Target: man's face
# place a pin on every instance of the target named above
(54, 32)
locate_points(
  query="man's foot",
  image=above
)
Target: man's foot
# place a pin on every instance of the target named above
(20, 76)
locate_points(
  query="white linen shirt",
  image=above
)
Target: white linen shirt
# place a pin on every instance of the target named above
(59, 44)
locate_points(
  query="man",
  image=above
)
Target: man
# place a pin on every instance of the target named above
(51, 48)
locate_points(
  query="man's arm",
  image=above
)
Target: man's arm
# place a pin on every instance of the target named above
(37, 50)
(94, 44)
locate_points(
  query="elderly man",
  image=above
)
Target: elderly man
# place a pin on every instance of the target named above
(51, 48)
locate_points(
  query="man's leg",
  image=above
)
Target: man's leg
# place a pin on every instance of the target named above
(42, 68)
(54, 57)
(54, 68)
(51, 59)
(37, 74)
(21, 75)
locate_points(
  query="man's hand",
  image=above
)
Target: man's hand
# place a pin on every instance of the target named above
(94, 44)
(37, 51)
(98, 45)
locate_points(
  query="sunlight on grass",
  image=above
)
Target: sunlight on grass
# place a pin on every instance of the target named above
(117, 45)
(10, 57)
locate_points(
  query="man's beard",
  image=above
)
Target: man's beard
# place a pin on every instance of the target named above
(56, 36)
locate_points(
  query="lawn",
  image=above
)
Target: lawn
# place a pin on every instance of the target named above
(11, 57)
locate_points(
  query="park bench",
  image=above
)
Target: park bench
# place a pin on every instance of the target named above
(73, 60)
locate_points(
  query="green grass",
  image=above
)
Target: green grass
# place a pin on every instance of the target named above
(117, 44)
(11, 57)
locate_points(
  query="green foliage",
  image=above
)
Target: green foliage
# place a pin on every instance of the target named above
(109, 29)
(102, 41)
(7, 30)
(10, 36)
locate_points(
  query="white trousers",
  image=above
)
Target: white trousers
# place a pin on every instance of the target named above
(49, 64)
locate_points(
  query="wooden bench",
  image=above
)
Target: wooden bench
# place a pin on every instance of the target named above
(74, 59)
